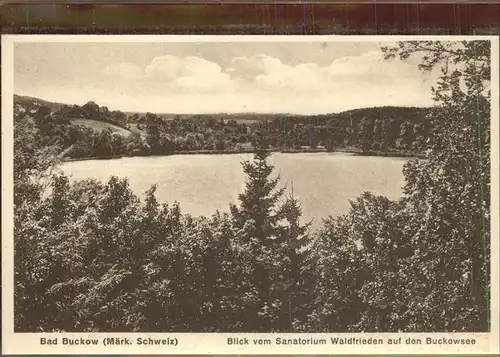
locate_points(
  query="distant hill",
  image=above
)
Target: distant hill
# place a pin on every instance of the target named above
(239, 117)
(91, 130)
(408, 113)
(89, 115)
(32, 102)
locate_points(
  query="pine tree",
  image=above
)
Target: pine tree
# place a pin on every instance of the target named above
(259, 201)
(257, 219)
(273, 234)
(291, 278)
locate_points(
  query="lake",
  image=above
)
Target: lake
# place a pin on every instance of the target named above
(324, 182)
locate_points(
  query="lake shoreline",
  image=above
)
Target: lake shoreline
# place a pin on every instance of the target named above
(203, 184)
(251, 151)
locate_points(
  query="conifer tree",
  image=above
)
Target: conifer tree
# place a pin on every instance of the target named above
(270, 228)
(259, 202)
(290, 278)
(257, 219)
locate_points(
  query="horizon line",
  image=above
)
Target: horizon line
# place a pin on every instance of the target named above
(220, 113)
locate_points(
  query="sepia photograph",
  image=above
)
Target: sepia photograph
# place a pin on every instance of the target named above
(253, 185)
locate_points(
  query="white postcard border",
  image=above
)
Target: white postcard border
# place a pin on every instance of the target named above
(216, 343)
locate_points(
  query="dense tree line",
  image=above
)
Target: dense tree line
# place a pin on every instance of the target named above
(93, 256)
(79, 141)
(387, 129)
(372, 129)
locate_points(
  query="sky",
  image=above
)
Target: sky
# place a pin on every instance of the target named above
(220, 77)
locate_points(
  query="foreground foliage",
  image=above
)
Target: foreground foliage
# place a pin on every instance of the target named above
(92, 256)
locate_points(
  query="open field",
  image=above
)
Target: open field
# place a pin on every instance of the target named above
(100, 125)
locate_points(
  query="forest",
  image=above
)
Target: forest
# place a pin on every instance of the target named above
(377, 131)
(94, 256)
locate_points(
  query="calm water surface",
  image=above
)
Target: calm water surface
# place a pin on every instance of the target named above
(324, 182)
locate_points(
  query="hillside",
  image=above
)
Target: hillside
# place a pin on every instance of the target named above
(238, 117)
(409, 113)
(95, 131)
(100, 126)
(32, 102)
